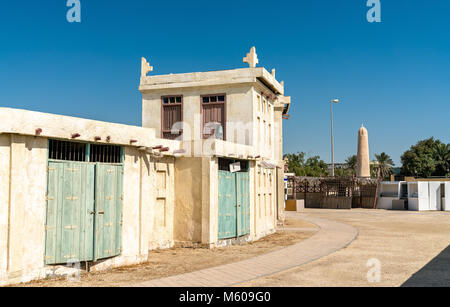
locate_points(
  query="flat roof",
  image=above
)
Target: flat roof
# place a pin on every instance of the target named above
(24, 122)
(211, 78)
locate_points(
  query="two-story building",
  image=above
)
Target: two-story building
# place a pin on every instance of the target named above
(222, 118)
(205, 169)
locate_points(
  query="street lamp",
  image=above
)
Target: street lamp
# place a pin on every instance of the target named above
(332, 139)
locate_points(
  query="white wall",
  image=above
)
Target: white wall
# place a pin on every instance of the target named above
(446, 203)
(429, 196)
(435, 195)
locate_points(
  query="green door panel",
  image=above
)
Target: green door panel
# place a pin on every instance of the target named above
(119, 214)
(109, 210)
(55, 172)
(243, 196)
(234, 204)
(227, 205)
(84, 211)
(70, 199)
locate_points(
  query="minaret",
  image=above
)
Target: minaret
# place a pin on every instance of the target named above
(363, 153)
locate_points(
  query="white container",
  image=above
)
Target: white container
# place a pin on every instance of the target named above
(434, 189)
(446, 199)
(300, 205)
(389, 191)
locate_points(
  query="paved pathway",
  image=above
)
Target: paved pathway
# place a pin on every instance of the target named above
(331, 237)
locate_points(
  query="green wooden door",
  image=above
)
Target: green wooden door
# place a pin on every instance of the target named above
(234, 204)
(82, 197)
(70, 204)
(108, 202)
(227, 205)
(243, 200)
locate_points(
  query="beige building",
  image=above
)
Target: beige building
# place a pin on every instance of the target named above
(205, 169)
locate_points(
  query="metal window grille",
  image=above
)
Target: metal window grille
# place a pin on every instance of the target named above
(105, 154)
(70, 151)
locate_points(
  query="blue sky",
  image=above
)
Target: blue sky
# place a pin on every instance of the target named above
(393, 76)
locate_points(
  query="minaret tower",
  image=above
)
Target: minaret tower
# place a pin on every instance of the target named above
(363, 153)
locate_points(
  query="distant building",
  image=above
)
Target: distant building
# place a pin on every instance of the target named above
(337, 166)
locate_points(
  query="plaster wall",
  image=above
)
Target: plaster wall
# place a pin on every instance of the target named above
(238, 111)
(278, 155)
(265, 199)
(23, 206)
(385, 202)
(188, 200)
(148, 208)
(197, 202)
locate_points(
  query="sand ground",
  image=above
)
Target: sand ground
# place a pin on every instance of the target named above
(174, 261)
(413, 249)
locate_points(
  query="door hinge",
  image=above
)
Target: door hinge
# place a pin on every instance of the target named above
(70, 256)
(72, 198)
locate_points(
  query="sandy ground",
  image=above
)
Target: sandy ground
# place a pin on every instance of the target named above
(413, 249)
(175, 261)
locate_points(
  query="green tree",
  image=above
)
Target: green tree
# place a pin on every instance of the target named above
(311, 167)
(442, 159)
(384, 165)
(315, 167)
(426, 158)
(352, 163)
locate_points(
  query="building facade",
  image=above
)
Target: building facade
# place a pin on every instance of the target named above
(205, 169)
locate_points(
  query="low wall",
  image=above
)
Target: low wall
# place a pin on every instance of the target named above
(336, 202)
(312, 200)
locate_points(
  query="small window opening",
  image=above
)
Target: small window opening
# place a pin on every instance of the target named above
(105, 154)
(64, 150)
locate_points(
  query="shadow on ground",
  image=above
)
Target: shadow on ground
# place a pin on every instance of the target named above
(435, 274)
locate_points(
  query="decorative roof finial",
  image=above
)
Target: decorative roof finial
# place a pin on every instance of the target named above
(145, 68)
(251, 58)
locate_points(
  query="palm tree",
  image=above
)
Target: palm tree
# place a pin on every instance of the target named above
(352, 163)
(384, 165)
(442, 159)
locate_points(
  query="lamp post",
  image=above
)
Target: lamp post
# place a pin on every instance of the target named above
(332, 138)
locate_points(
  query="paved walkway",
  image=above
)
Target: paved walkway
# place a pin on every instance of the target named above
(331, 237)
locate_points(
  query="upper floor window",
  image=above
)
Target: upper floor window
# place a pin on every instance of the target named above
(171, 117)
(213, 116)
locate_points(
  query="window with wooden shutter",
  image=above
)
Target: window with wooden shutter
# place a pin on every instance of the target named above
(213, 116)
(171, 117)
